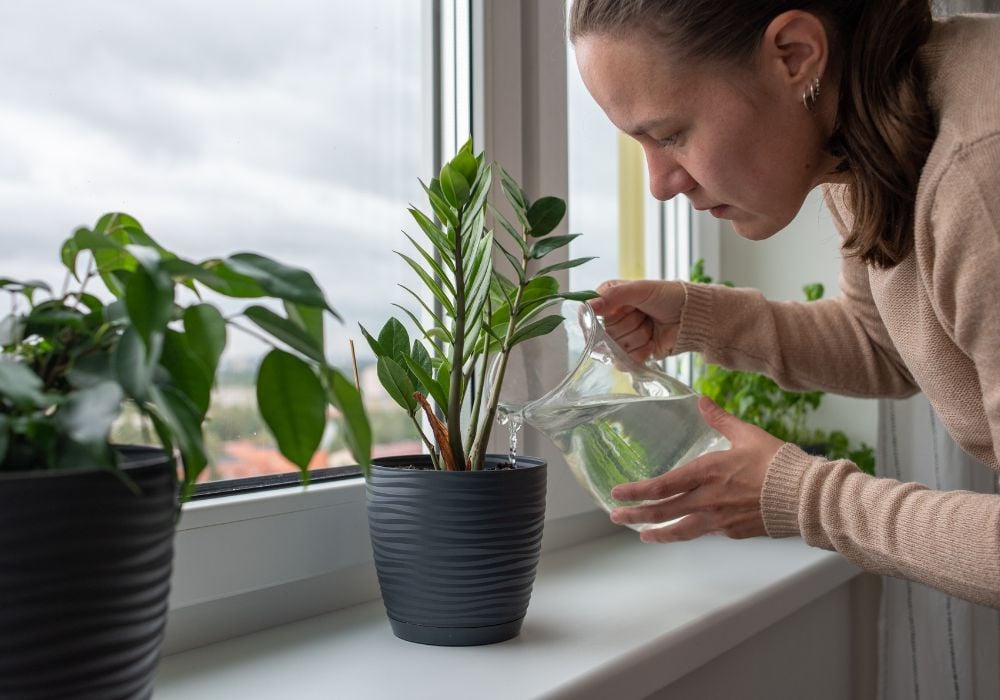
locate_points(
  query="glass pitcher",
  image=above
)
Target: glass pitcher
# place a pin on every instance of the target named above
(615, 420)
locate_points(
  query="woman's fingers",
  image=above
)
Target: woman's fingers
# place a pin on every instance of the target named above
(683, 478)
(735, 524)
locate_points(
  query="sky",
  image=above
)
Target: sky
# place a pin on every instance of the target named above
(293, 129)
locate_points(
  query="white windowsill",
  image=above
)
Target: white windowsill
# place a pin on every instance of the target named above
(603, 612)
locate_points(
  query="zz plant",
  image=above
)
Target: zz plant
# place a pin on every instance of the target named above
(72, 359)
(478, 313)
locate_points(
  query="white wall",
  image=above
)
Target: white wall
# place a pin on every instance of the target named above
(806, 251)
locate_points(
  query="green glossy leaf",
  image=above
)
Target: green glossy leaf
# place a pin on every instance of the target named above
(565, 265)
(372, 342)
(396, 382)
(87, 414)
(464, 163)
(309, 319)
(537, 328)
(68, 254)
(545, 215)
(394, 340)
(428, 383)
(515, 195)
(92, 369)
(454, 186)
(434, 265)
(286, 331)
(358, 434)
(215, 275)
(442, 210)
(293, 405)
(544, 246)
(280, 280)
(149, 301)
(515, 263)
(511, 231)
(430, 283)
(206, 331)
(21, 386)
(187, 371)
(184, 424)
(437, 237)
(133, 366)
(425, 332)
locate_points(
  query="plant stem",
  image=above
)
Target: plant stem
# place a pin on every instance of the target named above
(457, 353)
(479, 448)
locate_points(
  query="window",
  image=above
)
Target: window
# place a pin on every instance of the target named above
(296, 129)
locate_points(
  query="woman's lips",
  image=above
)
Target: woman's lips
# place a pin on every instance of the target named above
(719, 211)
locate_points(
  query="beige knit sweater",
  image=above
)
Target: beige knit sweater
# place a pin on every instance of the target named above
(930, 324)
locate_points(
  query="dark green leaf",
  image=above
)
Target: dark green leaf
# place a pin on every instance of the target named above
(430, 283)
(149, 301)
(436, 236)
(133, 366)
(292, 404)
(285, 331)
(358, 435)
(565, 265)
(543, 247)
(397, 383)
(87, 414)
(206, 331)
(187, 371)
(434, 265)
(376, 348)
(465, 164)
(182, 419)
(92, 369)
(394, 340)
(545, 214)
(280, 280)
(309, 319)
(21, 386)
(428, 383)
(533, 330)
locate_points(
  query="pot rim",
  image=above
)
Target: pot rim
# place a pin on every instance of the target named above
(151, 457)
(529, 463)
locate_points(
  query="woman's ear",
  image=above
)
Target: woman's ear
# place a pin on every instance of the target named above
(795, 48)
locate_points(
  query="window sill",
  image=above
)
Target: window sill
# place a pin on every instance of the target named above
(602, 612)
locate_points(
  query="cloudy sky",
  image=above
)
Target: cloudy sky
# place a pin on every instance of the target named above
(294, 129)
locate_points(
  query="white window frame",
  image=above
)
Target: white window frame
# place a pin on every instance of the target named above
(254, 560)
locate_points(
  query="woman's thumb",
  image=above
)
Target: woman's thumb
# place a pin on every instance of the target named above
(723, 421)
(615, 294)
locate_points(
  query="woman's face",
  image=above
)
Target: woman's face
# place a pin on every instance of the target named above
(738, 143)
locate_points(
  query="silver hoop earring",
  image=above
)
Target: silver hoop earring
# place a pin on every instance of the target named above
(810, 96)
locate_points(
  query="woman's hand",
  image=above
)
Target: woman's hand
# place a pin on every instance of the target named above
(642, 316)
(718, 492)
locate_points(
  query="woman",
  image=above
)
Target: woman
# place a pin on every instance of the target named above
(744, 107)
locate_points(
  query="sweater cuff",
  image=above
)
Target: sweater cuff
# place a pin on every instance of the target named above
(696, 319)
(779, 498)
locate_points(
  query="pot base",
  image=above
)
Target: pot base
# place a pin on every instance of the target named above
(455, 636)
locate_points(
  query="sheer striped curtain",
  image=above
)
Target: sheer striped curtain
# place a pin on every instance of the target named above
(933, 646)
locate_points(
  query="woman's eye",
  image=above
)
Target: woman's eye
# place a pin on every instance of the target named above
(668, 141)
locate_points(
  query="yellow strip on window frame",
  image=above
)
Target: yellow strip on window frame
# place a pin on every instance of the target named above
(631, 209)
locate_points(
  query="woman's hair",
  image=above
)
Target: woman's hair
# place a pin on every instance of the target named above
(884, 128)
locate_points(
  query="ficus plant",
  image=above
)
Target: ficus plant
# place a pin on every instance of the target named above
(757, 399)
(475, 313)
(71, 360)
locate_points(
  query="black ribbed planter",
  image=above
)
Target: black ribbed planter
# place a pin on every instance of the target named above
(456, 552)
(84, 576)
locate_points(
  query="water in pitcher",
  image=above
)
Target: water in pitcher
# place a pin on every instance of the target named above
(615, 420)
(612, 440)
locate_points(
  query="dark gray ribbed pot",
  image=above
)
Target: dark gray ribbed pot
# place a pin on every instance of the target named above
(456, 552)
(84, 576)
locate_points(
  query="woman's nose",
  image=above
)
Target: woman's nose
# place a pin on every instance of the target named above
(667, 178)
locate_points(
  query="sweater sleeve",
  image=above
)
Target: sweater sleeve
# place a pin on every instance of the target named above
(946, 539)
(838, 345)
(960, 265)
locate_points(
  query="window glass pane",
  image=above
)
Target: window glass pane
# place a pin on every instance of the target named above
(295, 129)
